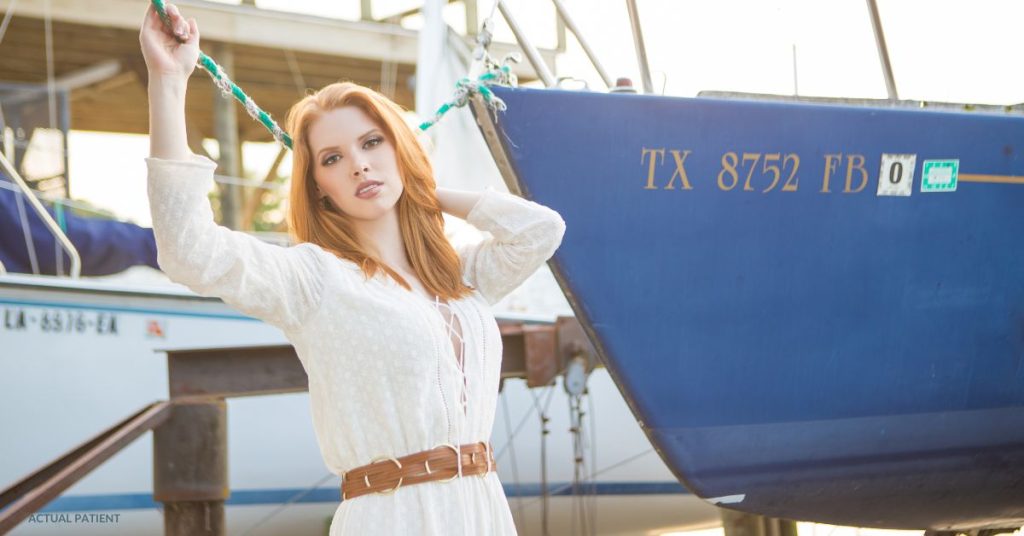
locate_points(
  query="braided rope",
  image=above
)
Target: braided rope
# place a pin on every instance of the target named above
(228, 88)
(465, 87)
(494, 74)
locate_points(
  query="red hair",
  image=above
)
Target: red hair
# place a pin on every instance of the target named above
(421, 222)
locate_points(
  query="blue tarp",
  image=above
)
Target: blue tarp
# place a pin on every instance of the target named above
(105, 246)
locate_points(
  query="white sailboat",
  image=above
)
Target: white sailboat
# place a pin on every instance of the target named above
(79, 354)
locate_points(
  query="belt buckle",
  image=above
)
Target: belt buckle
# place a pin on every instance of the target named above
(487, 456)
(366, 478)
(458, 462)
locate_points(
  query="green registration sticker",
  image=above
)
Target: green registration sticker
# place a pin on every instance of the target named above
(939, 175)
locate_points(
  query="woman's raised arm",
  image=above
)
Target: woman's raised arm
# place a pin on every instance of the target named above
(170, 60)
(281, 286)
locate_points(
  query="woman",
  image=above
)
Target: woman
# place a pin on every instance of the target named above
(392, 325)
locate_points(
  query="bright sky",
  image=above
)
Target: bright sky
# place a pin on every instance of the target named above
(942, 50)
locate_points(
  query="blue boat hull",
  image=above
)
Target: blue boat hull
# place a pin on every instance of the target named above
(795, 340)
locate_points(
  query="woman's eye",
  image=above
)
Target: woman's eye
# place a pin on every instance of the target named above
(372, 142)
(329, 160)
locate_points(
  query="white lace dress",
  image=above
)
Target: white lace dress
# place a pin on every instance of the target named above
(384, 378)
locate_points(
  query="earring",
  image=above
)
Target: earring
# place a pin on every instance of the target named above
(325, 202)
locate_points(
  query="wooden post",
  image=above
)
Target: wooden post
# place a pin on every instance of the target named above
(252, 202)
(742, 524)
(225, 127)
(64, 119)
(472, 19)
(560, 44)
(190, 468)
(195, 139)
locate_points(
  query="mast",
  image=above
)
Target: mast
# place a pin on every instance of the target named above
(883, 51)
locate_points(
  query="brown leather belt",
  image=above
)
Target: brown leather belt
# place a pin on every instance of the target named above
(386, 474)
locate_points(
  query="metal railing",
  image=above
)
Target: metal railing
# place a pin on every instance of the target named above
(31, 493)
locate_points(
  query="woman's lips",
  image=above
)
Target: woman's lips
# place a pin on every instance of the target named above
(370, 192)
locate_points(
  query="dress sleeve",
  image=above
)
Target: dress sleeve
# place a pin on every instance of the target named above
(279, 285)
(525, 235)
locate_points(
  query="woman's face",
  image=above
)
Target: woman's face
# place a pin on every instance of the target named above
(348, 149)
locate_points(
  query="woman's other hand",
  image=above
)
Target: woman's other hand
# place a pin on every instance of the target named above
(169, 53)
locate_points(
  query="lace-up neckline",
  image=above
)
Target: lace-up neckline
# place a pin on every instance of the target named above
(458, 342)
(454, 331)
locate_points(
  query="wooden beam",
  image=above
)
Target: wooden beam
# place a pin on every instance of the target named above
(99, 24)
(243, 24)
(125, 78)
(205, 374)
(14, 49)
(398, 17)
(69, 81)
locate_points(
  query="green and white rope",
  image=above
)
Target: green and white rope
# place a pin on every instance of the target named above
(228, 88)
(465, 87)
(495, 74)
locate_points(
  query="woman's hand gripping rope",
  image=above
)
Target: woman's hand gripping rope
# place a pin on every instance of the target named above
(188, 36)
(180, 58)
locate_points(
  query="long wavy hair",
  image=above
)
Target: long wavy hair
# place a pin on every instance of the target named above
(421, 222)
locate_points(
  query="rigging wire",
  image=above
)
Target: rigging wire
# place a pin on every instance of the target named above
(579, 465)
(51, 98)
(603, 470)
(593, 473)
(66, 202)
(575, 435)
(542, 414)
(51, 78)
(519, 427)
(510, 442)
(593, 462)
(389, 70)
(293, 66)
(512, 452)
(29, 243)
(228, 179)
(7, 19)
(575, 380)
(288, 503)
